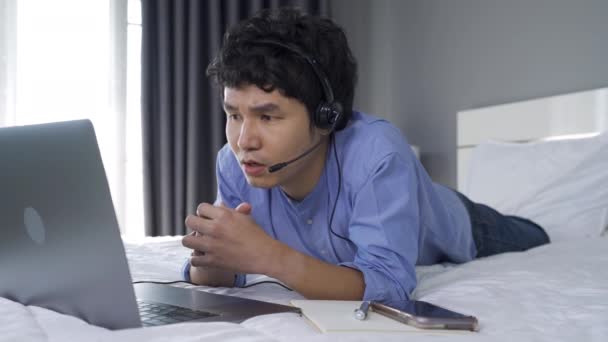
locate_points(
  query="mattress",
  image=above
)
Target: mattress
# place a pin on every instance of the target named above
(556, 292)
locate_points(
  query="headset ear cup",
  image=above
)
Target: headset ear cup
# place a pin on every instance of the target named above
(328, 115)
(322, 116)
(337, 115)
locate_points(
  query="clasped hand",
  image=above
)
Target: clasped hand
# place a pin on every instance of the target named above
(228, 239)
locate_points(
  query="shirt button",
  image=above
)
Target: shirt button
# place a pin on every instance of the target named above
(309, 221)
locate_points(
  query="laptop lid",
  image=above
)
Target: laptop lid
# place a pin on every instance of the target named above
(60, 246)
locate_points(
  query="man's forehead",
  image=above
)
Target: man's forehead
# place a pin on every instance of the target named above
(251, 97)
(249, 89)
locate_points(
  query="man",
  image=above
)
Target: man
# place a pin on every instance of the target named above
(330, 201)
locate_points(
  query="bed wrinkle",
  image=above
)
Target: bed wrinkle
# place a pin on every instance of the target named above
(185, 332)
(38, 323)
(15, 320)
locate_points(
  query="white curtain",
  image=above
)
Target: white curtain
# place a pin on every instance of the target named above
(66, 60)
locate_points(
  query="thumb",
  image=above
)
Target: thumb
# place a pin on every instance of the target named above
(244, 208)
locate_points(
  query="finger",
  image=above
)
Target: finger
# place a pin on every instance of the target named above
(199, 225)
(198, 261)
(198, 207)
(244, 208)
(209, 210)
(194, 251)
(207, 260)
(197, 243)
(189, 241)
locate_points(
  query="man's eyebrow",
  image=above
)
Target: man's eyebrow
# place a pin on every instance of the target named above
(261, 108)
(264, 108)
(229, 108)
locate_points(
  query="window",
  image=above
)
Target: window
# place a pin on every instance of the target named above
(73, 59)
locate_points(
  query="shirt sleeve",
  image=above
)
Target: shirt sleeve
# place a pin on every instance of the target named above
(385, 227)
(227, 179)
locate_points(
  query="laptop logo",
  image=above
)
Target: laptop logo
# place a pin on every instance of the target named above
(34, 226)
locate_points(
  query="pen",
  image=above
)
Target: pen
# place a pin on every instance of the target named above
(361, 312)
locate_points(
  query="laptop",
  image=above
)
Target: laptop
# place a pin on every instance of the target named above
(60, 245)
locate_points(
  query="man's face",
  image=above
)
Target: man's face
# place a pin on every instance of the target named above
(264, 129)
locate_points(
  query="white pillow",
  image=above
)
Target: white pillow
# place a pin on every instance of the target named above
(560, 184)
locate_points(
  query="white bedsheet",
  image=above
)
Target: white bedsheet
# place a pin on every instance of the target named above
(558, 292)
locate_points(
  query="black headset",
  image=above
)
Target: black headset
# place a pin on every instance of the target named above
(329, 112)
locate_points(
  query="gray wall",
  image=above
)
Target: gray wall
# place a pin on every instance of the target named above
(375, 33)
(422, 61)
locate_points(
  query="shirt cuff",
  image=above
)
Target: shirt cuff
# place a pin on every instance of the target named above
(186, 271)
(240, 280)
(380, 288)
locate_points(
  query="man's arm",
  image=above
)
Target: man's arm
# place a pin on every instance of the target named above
(211, 276)
(313, 278)
(229, 239)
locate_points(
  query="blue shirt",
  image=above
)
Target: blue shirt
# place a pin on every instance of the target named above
(393, 214)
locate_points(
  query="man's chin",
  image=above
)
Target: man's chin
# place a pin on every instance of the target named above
(259, 182)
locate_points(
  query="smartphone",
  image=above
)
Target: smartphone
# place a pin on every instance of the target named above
(425, 315)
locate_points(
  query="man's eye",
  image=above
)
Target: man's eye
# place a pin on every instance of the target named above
(266, 117)
(233, 117)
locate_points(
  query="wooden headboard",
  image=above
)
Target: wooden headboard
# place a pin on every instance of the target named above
(569, 114)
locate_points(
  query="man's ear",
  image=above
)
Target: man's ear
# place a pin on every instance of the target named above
(316, 131)
(324, 132)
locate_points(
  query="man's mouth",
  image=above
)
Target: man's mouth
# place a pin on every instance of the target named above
(252, 163)
(253, 168)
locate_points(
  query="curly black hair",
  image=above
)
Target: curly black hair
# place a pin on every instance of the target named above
(242, 61)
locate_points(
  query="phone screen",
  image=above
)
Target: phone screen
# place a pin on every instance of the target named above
(423, 309)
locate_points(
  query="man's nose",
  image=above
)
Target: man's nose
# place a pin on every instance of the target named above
(249, 136)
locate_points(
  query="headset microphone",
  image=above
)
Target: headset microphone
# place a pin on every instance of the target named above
(277, 167)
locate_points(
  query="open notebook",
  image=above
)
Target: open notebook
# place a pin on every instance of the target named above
(331, 316)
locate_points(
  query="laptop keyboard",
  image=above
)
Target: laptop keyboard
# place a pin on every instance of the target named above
(160, 314)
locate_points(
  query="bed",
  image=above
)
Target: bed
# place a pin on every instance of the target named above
(556, 292)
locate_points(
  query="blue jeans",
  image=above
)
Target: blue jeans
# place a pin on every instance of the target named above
(496, 233)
